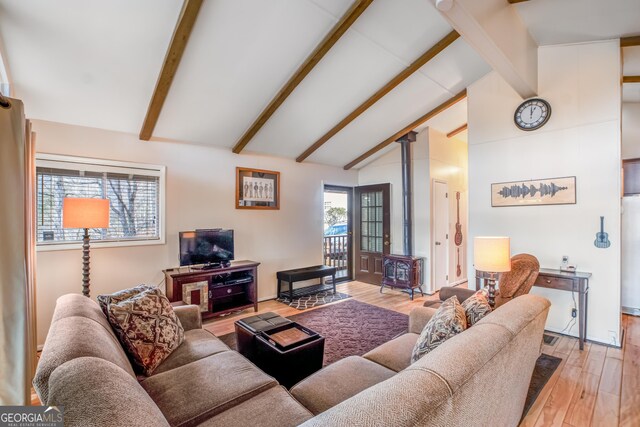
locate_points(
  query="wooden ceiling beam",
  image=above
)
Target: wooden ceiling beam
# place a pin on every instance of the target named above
(179, 39)
(457, 131)
(631, 79)
(388, 87)
(312, 60)
(630, 41)
(439, 109)
(516, 1)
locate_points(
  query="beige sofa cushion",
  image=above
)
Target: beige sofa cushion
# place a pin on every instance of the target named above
(97, 393)
(197, 344)
(73, 337)
(272, 408)
(193, 393)
(339, 381)
(394, 354)
(70, 305)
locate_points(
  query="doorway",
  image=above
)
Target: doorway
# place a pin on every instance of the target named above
(440, 249)
(337, 241)
(372, 227)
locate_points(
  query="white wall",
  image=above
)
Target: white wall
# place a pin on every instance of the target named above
(631, 130)
(434, 156)
(582, 138)
(200, 194)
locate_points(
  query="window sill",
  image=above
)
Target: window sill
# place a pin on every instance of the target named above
(98, 245)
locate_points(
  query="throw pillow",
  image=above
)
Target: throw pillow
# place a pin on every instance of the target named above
(447, 321)
(105, 300)
(146, 326)
(476, 307)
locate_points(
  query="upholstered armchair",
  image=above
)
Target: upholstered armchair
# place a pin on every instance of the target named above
(512, 284)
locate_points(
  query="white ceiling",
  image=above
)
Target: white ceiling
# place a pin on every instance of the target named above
(96, 63)
(86, 62)
(573, 21)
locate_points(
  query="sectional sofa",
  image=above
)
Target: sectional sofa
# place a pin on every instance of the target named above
(479, 377)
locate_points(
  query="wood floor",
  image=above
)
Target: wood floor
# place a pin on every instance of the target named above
(599, 386)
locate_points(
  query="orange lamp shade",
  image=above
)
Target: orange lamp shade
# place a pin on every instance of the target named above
(85, 213)
(492, 254)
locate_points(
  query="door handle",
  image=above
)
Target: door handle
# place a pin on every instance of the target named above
(438, 243)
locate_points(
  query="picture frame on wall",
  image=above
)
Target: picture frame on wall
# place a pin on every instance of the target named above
(257, 189)
(534, 192)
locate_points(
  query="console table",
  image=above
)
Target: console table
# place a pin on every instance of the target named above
(564, 281)
(217, 291)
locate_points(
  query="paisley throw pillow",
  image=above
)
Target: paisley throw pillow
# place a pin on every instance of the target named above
(105, 300)
(476, 307)
(146, 326)
(448, 321)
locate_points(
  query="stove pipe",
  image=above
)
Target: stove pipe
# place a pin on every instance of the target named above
(407, 211)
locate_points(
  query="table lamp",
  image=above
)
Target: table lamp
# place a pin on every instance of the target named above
(85, 213)
(492, 255)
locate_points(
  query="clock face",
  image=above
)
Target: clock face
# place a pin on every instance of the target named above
(532, 114)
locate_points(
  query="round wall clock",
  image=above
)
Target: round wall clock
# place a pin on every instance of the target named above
(532, 114)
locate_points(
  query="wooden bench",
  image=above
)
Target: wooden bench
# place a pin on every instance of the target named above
(307, 273)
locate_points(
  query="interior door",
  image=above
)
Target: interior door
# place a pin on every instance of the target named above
(440, 249)
(372, 231)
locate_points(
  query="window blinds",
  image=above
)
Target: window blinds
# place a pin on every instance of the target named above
(134, 200)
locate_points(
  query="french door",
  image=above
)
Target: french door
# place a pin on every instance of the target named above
(372, 231)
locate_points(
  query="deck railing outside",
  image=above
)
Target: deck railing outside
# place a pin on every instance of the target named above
(335, 250)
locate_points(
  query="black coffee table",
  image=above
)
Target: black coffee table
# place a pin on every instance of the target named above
(289, 365)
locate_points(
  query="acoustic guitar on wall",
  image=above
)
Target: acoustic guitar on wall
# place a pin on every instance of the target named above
(602, 238)
(458, 236)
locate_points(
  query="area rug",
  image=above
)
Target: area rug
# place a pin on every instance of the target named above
(313, 300)
(350, 328)
(545, 367)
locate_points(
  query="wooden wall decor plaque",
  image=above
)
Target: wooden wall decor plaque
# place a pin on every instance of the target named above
(550, 191)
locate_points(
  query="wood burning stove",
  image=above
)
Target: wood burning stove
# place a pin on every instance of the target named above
(404, 271)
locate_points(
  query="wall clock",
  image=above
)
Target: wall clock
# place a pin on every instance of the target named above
(532, 114)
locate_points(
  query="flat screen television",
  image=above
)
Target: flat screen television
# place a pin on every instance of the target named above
(209, 247)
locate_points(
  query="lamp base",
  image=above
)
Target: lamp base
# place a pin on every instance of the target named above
(491, 287)
(85, 263)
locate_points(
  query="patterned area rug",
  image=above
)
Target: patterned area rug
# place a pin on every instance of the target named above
(350, 328)
(314, 300)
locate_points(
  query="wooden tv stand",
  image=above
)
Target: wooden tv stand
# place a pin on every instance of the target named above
(218, 291)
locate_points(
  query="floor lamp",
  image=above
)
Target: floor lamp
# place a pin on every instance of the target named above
(492, 255)
(85, 213)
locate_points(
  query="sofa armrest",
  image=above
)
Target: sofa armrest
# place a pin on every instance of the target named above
(447, 292)
(419, 317)
(189, 316)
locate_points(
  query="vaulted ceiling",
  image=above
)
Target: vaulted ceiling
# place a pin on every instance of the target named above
(96, 64)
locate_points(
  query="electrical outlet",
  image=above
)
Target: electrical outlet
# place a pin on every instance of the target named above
(574, 313)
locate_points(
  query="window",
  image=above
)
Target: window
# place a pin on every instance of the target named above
(135, 193)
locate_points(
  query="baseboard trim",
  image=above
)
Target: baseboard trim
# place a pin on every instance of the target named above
(632, 311)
